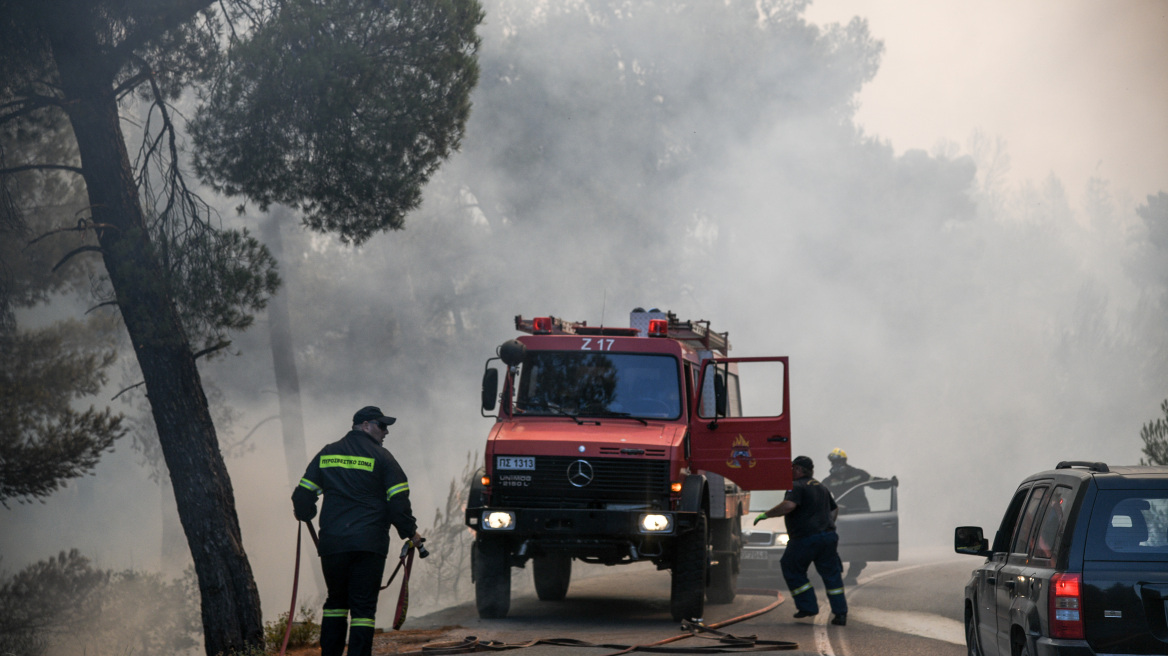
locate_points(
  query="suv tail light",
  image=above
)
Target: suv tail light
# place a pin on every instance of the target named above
(1066, 605)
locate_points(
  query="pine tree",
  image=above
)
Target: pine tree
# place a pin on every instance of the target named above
(1155, 437)
(364, 71)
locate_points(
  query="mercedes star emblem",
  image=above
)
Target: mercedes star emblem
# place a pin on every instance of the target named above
(580, 473)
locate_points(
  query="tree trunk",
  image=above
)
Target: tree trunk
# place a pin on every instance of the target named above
(283, 356)
(232, 620)
(284, 364)
(175, 556)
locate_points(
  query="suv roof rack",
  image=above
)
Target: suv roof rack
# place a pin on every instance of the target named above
(1100, 467)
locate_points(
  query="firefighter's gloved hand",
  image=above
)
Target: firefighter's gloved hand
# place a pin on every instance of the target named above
(761, 516)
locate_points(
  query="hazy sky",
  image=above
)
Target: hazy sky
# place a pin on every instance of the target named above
(1075, 87)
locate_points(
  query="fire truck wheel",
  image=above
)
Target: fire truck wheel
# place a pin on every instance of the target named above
(688, 594)
(492, 574)
(727, 538)
(552, 574)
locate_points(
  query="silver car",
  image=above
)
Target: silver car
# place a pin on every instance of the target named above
(870, 535)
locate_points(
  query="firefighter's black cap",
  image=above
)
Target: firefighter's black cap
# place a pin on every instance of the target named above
(804, 462)
(371, 413)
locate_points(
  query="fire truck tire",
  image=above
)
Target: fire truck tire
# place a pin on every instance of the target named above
(688, 594)
(727, 545)
(552, 574)
(492, 576)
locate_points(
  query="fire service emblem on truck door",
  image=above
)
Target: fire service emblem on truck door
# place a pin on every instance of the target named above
(740, 454)
(580, 473)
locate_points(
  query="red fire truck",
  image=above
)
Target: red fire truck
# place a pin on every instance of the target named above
(618, 445)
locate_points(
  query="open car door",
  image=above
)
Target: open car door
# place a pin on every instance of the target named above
(740, 422)
(868, 524)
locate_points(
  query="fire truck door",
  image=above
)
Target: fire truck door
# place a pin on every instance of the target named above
(740, 422)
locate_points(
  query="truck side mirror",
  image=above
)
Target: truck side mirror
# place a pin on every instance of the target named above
(719, 395)
(970, 541)
(490, 388)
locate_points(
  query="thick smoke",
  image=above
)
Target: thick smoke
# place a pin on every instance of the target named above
(943, 326)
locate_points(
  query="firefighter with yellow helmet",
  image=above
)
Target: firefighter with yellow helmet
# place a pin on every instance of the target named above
(842, 478)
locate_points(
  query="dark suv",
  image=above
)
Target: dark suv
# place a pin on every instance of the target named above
(1079, 565)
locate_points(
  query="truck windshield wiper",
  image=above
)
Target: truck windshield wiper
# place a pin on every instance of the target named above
(543, 405)
(613, 413)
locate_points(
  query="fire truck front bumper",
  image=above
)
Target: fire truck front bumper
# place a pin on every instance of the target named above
(558, 523)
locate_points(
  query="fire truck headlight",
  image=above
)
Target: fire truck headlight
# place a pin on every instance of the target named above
(655, 523)
(499, 520)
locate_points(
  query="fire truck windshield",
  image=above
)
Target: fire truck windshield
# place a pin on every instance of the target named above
(599, 384)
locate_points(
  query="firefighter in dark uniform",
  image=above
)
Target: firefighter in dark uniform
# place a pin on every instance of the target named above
(365, 491)
(810, 512)
(842, 478)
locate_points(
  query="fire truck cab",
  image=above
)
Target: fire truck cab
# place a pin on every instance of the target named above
(618, 445)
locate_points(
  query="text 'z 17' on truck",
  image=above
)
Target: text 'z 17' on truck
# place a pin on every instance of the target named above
(619, 445)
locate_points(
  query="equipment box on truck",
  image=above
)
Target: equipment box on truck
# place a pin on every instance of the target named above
(619, 445)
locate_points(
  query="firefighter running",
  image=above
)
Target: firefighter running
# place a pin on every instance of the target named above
(365, 490)
(810, 511)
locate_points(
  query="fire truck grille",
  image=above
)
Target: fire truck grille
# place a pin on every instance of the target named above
(569, 482)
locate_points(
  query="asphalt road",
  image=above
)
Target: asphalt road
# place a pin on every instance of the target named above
(910, 607)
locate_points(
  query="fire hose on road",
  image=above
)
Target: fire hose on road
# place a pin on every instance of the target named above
(724, 643)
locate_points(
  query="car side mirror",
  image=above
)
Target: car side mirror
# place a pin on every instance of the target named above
(490, 388)
(970, 541)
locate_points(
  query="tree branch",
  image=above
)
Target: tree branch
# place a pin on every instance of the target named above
(25, 106)
(257, 427)
(82, 226)
(76, 251)
(101, 305)
(131, 83)
(41, 167)
(211, 349)
(177, 13)
(137, 384)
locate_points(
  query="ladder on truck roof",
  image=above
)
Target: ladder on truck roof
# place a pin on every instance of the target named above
(695, 334)
(698, 336)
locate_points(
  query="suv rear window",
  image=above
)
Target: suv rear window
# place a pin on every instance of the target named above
(1129, 525)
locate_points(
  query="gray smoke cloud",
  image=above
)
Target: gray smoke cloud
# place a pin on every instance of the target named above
(944, 324)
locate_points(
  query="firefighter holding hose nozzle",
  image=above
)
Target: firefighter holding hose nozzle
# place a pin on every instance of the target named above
(365, 491)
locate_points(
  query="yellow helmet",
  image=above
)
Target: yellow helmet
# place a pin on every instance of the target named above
(837, 454)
